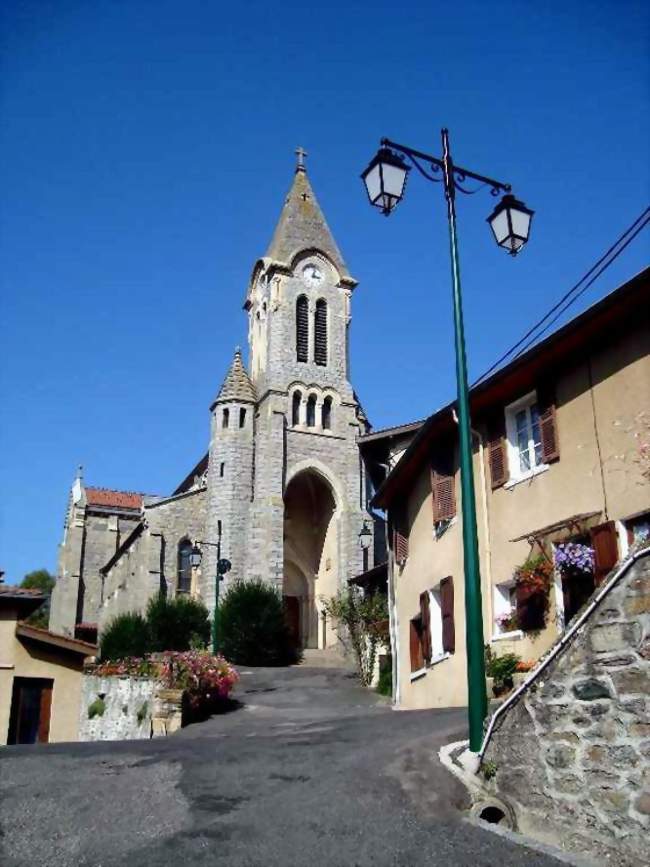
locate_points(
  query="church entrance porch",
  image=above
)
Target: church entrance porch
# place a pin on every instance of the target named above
(310, 557)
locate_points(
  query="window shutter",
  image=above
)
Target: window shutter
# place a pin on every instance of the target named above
(415, 645)
(548, 424)
(401, 547)
(425, 617)
(400, 536)
(497, 456)
(604, 541)
(447, 611)
(302, 328)
(320, 333)
(443, 495)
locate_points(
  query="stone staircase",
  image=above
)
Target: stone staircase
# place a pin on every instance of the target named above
(330, 657)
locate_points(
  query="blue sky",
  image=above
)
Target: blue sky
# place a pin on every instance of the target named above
(146, 150)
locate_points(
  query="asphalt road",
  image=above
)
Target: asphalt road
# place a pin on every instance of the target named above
(312, 771)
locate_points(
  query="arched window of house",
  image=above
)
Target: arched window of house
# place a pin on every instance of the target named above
(311, 410)
(327, 413)
(184, 577)
(320, 332)
(302, 328)
(225, 418)
(242, 416)
(295, 408)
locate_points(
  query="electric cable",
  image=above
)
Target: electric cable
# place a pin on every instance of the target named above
(632, 231)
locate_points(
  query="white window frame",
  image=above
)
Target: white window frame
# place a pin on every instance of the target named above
(435, 627)
(514, 469)
(503, 605)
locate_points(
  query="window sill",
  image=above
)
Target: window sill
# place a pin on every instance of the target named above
(440, 658)
(416, 675)
(6, 666)
(515, 635)
(527, 476)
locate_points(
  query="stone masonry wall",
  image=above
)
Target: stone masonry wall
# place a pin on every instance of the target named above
(128, 707)
(572, 755)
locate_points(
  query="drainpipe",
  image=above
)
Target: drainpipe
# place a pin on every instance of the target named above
(486, 524)
(568, 635)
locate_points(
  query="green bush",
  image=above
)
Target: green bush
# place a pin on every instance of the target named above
(385, 684)
(252, 628)
(96, 708)
(180, 623)
(126, 635)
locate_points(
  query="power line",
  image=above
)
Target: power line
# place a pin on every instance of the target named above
(569, 297)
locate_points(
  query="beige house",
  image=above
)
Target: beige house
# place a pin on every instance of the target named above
(40, 675)
(556, 460)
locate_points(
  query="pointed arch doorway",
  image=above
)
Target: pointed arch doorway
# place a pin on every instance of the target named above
(311, 562)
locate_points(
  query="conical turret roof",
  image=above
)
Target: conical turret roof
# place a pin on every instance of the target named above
(302, 226)
(237, 385)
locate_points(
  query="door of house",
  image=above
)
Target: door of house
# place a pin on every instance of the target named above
(292, 614)
(31, 702)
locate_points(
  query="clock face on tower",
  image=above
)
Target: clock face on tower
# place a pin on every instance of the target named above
(312, 275)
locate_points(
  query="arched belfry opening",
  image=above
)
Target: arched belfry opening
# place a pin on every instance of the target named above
(311, 562)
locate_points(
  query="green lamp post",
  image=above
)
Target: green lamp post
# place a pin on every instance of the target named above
(385, 180)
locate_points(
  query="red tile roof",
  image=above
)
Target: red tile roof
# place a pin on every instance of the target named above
(25, 630)
(21, 592)
(116, 499)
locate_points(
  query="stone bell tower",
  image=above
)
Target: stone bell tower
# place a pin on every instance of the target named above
(308, 491)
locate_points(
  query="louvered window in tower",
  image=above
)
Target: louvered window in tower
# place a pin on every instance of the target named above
(320, 333)
(302, 328)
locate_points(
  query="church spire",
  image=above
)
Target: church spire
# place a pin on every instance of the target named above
(237, 385)
(302, 225)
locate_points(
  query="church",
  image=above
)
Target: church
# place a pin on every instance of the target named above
(283, 489)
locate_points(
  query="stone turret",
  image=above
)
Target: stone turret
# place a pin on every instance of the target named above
(230, 474)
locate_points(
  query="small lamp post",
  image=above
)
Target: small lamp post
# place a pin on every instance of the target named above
(385, 179)
(223, 566)
(365, 539)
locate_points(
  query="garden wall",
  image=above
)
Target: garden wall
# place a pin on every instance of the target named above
(128, 705)
(572, 754)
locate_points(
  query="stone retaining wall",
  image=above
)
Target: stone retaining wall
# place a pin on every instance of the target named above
(129, 708)
(572, 755)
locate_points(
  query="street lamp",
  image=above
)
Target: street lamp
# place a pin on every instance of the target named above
(223, 566)
(365, 538)
(385, 179)
(510, 224)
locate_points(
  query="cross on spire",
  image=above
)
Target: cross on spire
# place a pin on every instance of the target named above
(301, 153)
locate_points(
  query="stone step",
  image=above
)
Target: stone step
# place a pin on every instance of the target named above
(329, 657)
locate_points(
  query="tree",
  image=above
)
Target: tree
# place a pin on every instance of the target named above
(41, 580)
(361, 617)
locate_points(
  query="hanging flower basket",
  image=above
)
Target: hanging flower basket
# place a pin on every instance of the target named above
(574, 559)
(533, 580)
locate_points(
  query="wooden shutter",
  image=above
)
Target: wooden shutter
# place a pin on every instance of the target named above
(425, 618)
(44, 715)
(447, 611)
(443, 491)
(400, 535)
(320, 333)
(604, 541)
(415, 644)
(302, 328)
(548, 424)
(496, 449)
